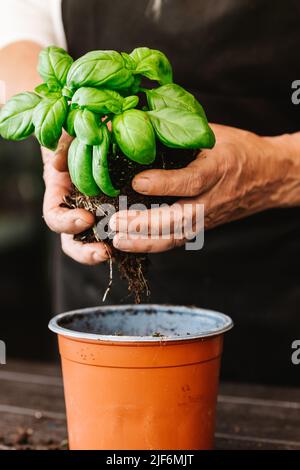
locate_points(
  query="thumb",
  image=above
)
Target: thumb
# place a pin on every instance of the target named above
(60, 157)
(196, 178)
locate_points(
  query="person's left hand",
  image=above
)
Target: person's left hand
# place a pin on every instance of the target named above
(243, 174)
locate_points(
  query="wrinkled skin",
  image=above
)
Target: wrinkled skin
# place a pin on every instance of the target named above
(241, 175)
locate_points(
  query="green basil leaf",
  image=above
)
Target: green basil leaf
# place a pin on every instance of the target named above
(54, 85)
(135, 136)
(98, 69)
(69, 122)
(44, 91)
(48, 118)
(181, 129)
(135, 87)
(16, 116)
(98, 101)
(87, 127)
(80, 162)
(54, 64)
(152, 64)
(129, 62)
(67, 92)
(130, 102)
(173, 96)
(100, 165)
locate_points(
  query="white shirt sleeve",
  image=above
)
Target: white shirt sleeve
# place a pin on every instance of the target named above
(39, 21)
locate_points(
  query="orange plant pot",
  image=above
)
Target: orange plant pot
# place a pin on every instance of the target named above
(141, 377)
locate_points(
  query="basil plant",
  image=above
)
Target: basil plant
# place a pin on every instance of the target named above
(83, 96)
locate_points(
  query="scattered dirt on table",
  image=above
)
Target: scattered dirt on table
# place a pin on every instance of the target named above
(25, 439)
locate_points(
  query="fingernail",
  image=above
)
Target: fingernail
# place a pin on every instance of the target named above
(122, 243)
(81, 224)
(113, 224)
(141, 185)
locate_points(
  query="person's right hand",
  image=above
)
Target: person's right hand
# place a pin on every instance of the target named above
(66, 221)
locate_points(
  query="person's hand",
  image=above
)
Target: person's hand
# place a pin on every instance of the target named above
(62, 220)
(241, 175)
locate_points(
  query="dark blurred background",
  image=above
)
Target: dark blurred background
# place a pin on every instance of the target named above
(25, 292)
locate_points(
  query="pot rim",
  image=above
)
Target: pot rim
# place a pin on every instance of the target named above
(226, 324)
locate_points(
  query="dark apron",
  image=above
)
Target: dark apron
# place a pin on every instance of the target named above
(239, 58)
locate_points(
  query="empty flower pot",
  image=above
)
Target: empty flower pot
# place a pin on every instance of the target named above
(141, 376)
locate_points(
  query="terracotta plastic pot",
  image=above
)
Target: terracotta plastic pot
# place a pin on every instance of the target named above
(141, 376)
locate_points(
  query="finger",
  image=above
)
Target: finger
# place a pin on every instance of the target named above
(70, 221)
(146, 222)
(199, 176)
(179, 218)
(134, 244)
(84, 253)
(61, 219)
(60, 157)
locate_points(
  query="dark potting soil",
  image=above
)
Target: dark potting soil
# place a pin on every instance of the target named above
(132, 267)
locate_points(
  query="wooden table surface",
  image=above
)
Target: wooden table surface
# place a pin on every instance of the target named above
(32, 412)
